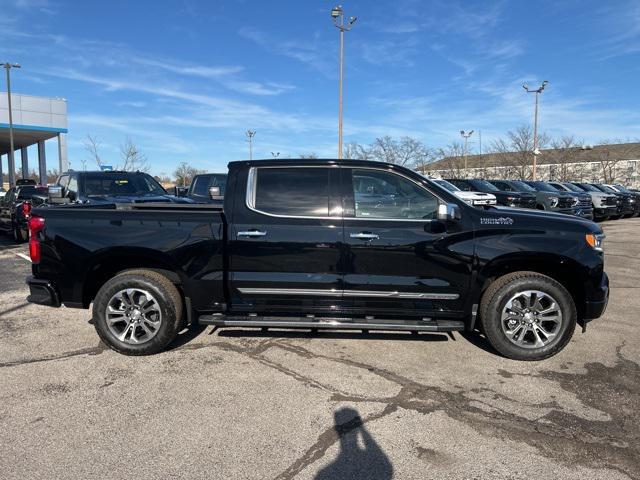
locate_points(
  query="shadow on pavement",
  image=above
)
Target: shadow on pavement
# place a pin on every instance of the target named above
(477, 339)
(344, 335)
(360, 457)
(186, 335)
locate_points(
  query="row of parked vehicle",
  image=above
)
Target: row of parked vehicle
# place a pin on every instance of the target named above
(99, 188)
(594, 201)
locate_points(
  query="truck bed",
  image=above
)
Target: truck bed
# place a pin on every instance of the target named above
(82, 240)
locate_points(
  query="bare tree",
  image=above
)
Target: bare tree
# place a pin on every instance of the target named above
(52, 175)
(566, 159)
(356, 151)
(406, 151)
(91, 146)
(133, 160)
(184, 174)
(31, 174)
(308, 156)
(163, 178)
(516, 150)
(453, 156)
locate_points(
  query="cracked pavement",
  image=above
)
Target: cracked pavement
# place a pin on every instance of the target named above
(243, 403)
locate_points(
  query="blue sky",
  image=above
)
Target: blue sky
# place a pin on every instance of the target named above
(185, 79)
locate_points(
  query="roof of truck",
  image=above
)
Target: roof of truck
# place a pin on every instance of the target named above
(313, 161)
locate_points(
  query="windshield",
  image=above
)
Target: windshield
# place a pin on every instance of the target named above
(449, 186)
(589, 188)
(521, 186)
(604, 188)
(121, 184)
(483, 185)
(573, 188)
(622, 189)
(544, 187)
(559, 187)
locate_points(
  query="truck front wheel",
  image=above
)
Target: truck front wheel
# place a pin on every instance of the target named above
(527, 316)
(138, 312)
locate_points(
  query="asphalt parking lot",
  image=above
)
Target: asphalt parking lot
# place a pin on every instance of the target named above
(240, 403)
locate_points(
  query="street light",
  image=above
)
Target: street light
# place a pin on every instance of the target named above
(250, 134)
(11, 160)
(466, 136)
(275, 154)
(536, 150)
(338, 20)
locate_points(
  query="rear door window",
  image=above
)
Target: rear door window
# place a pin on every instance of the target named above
(292, 191)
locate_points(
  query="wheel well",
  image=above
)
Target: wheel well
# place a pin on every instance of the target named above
(560, 271)
(102, 271)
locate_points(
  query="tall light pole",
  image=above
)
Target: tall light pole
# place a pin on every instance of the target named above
(536, 150)
(338, 20)
(11, 160)
(250, 134)
(466, 136)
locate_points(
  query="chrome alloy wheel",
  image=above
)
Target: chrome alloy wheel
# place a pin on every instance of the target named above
(133, 316)
(531, 319)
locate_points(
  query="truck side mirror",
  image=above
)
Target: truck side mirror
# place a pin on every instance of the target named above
(56, 194)
(214, 192)
(448, 212)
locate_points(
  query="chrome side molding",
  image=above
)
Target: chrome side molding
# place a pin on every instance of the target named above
(349, 293)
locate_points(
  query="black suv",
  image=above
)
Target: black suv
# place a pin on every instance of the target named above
(506, 197)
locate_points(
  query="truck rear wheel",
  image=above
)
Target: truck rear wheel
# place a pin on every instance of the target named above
(527, 316)
(138, 312)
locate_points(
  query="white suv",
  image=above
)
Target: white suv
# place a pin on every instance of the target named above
(475, 199)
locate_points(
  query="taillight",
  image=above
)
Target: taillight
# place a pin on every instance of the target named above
(26, 209)
(36, 224)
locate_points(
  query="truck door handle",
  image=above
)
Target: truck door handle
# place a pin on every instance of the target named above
(365, 236)
(251, 233)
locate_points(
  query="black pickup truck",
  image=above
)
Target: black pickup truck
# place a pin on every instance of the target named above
(112, 186)
(304, 244)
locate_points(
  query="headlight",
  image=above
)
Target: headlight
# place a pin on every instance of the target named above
(595, 241)
(554, 201)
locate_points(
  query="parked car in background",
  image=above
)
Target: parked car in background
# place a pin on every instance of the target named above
(3, 192)
(208, 188)
(548, 198)
(15, 209)
(602, 204)
(294, 247)
(635, 196)
(610, 206)
(113, 187)
(476, 199)
(516, 187)
(627, 201)
(503, 197)
(584, 208)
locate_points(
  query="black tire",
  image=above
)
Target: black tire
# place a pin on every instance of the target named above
(19, 235)
(168, 299)
(498, 294)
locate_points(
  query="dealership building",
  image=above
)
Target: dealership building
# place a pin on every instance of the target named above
(36, 120)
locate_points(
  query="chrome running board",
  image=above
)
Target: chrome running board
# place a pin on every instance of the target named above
(330, 323)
